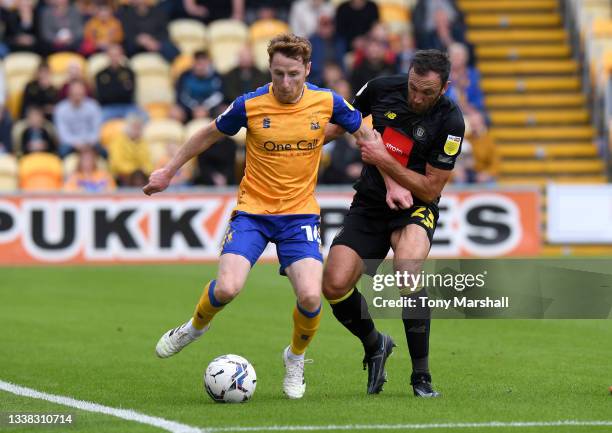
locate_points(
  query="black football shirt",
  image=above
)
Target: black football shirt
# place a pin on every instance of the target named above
(415, 140)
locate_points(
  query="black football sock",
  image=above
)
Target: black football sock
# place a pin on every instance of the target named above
(417, 322)
(353, 313)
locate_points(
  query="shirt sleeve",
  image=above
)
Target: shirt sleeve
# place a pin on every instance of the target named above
(345, 114)
(234, 118)
(447, 145)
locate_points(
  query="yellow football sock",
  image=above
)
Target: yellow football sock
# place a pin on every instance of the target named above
(305, 325)
(207, 307)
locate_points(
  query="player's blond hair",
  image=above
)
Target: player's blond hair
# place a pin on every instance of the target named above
(292, 46)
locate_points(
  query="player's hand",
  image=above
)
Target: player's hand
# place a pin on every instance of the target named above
(397, 196)
(373, 151)
(158, 181)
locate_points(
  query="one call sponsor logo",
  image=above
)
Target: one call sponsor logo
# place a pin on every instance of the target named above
(272, 146)
(183, 228)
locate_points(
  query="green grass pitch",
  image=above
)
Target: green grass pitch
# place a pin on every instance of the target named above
(90, 332)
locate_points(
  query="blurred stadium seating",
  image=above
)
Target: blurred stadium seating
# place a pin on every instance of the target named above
(544, 65)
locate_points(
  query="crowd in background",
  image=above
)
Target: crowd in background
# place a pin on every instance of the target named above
(350, 46)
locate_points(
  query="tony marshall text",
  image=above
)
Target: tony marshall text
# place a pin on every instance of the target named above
(456, 302)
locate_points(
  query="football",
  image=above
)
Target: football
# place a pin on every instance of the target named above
(230, 379)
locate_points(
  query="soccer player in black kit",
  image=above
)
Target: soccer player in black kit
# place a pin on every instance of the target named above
(418, 138)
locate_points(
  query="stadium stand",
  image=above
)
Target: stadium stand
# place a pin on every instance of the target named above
(188, 35)
(95, 64)
(226, 38)
(60, 64)
(149, 64)
(110, 129)
(41, 172)
(179, 65)
(260, 33)
(8, 172)
(537, 89)
(533, 92)
(164, 131)
(19, 68)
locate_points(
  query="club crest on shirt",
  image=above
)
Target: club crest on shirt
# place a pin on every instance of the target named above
(419, 132)
(314, 121)
(451, 147)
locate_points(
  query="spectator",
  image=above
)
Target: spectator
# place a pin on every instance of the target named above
(211, 10)
(486, 157)
(325, 49)
(75, 73)
(437, 24)
(89, 177)
(267, 9)
(444, 34)
(355, 18)
(372, 66)
(243, 78)
(198, 90)
(102, 30)
(115, 86)
(378, 33)
(87, 8)
(21, 27)
(405, 53)
(478, 161)
(61, 27)
(216, 166)
(342, 156)
(343, 88)
(464, 87)
(305, 15)
(465, 90)
(40, 93)
(77, 120)
(344, 161)
(129, 154)
(38, 136)
(465, 170)
(145, 29)
(332, 74)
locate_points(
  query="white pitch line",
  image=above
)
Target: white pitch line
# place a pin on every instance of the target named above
(127, 414)
(176, 427)
(492, 424)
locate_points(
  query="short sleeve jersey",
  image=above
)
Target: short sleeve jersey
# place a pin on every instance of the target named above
(283, 146)
(414, 140)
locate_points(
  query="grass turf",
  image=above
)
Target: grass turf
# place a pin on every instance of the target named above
(89, 333)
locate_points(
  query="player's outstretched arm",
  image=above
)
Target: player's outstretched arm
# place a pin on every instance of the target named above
(426, 187)
(197, 143)
(397, 197)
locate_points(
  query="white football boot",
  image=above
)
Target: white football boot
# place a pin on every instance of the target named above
(294, 384)
(176, 339)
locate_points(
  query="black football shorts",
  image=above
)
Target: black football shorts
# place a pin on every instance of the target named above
(367, 228)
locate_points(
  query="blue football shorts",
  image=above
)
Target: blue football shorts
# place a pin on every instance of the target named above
(296, 237)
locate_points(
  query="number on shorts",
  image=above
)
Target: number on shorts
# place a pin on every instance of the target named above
(428, 221)
(313, 233)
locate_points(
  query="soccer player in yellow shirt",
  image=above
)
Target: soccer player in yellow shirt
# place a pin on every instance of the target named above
(285, 122)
